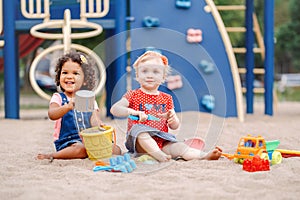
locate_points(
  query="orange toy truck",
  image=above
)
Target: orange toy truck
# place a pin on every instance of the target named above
(250, 146)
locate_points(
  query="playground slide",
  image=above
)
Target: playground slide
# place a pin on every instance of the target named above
(27, 44)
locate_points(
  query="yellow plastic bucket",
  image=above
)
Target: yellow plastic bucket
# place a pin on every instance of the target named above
(98, 143)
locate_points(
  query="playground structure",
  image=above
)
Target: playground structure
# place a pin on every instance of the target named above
(66, 26)
(198, 48)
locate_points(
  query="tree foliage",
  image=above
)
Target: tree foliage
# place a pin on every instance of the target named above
(288, 40)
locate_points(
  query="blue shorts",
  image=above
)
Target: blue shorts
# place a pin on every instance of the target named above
(67, 141)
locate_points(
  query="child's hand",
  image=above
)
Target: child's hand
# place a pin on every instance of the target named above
(142, 116)
(172, 119)
(71, 104)
(170, 116)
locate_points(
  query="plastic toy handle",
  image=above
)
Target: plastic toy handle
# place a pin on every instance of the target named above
(102, 168)
(133, 117)
(101, 163)
(229, 156)
(150, 117)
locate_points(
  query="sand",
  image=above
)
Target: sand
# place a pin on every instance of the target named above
(24, 177)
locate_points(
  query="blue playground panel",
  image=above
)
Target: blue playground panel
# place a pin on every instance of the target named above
(203, 67)
(169, 37)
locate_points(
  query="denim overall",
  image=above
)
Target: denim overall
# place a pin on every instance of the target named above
(71, 124)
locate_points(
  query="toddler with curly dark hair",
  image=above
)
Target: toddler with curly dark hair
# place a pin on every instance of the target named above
(73, 72)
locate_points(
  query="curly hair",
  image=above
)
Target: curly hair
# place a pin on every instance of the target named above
(86, 65)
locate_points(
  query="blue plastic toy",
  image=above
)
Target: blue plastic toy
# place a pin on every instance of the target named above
(118, 164)
(150, 117)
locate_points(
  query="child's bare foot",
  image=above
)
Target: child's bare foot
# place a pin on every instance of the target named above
(116, 150)
(161, 156)
(214, 154)
(44, 156)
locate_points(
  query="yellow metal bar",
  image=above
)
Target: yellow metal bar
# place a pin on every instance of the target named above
(236, 29)
(231, 7)
(255, 90)
(255, 70)
(91, 6)
(243, 50)
(100, 12)
(231, 57)
(98, 6)
(38, 7)
(31, 6)
(259, 37)
(38, 15)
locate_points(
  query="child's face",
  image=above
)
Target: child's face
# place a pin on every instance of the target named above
(151, 74)
(71, 77)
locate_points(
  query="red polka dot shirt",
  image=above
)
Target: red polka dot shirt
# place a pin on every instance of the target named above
(150, 104)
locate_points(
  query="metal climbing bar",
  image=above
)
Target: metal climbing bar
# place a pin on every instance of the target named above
(249, 56)
(102, 8)
(29, 11)
(1, 23)
(11, 65)
(269, 59)
(231, 7)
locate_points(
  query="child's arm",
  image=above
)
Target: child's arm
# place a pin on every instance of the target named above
(120, 109)
(56, 111)
(95, 119)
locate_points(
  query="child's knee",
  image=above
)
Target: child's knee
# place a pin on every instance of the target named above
(143, 136)
(80, 150)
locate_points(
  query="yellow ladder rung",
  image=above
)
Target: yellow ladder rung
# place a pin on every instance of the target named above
(243, 50)
(236, 29)
(255, 90)
(259, 90)
(231, 7)
(239, 50)
(257, 50)
(242, 70)
(255, 70)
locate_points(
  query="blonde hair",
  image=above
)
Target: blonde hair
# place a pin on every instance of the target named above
(149, 55)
